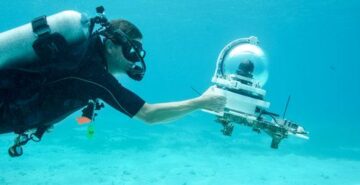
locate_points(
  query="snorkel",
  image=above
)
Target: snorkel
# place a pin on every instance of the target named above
(132, 49)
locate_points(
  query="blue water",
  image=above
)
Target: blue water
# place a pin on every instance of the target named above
(312, 48)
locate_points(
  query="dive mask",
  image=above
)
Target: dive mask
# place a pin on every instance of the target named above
(132, 51)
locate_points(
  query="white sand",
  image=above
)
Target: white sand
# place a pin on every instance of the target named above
(175, 158)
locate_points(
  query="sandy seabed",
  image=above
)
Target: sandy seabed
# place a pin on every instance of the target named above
(160, 159)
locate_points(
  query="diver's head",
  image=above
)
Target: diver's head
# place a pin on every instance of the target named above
(245, 68)
(123, 50)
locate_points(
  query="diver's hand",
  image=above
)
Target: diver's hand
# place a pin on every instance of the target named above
(212, 100)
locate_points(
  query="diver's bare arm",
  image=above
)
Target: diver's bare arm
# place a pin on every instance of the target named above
(164, 112)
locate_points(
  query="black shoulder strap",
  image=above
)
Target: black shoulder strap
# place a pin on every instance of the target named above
(93, 50)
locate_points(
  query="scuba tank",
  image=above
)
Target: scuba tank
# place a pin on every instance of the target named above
(25, 44)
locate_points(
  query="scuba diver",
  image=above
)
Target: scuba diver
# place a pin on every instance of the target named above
(67, 77)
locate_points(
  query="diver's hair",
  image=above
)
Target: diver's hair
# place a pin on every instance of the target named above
(127, 27)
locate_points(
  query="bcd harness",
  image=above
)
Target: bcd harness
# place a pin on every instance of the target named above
(48, 46)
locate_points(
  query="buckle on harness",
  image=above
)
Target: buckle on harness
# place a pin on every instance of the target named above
(48, 46)
(40, 26)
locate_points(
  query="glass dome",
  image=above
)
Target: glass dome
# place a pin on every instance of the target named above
(247, 60)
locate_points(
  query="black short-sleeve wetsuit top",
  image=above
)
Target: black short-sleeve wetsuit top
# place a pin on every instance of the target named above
(62, 93)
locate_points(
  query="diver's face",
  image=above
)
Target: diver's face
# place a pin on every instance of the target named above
(117, 63)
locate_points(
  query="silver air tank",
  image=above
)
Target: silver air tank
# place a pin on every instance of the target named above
(16, 44)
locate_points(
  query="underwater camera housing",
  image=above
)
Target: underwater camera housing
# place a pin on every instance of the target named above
(240, 73)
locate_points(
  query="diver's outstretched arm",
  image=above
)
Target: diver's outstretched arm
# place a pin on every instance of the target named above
(165, 112)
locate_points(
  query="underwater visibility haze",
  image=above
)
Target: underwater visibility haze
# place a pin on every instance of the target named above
(311, 50)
